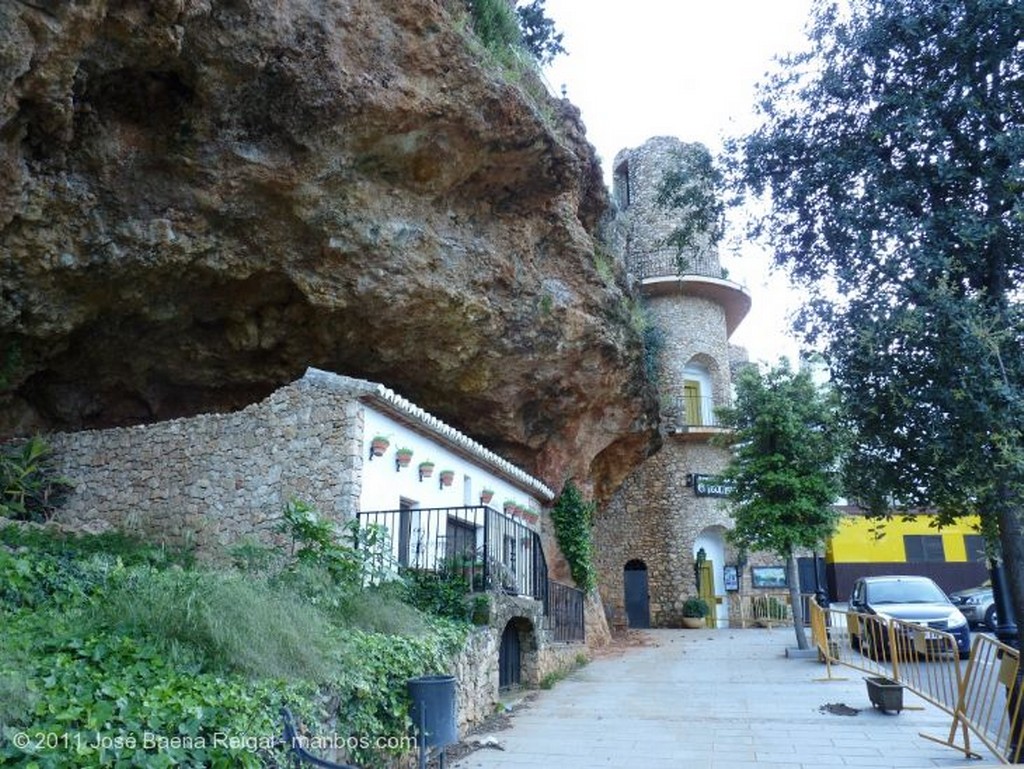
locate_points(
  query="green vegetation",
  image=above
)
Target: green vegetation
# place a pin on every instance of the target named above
(505, 30)
(787, 446)
(115, 653)
(890, 155)
(572, 516)
(31, 489)
(695, 607)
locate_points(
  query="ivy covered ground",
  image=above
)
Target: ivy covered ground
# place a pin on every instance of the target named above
(119, 654)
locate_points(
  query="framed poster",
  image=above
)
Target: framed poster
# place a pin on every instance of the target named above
(768, 576)
(732, 578)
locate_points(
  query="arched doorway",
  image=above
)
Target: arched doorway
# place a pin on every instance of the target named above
(514, 639)
(637, 595)
(712, 581)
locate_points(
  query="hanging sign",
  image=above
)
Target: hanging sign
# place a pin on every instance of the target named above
(711, 486)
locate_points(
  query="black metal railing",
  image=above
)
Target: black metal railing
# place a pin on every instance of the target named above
(492, 551)
(667, 262)
(564, 611)
(691, 411)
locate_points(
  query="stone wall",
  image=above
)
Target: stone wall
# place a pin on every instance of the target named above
(638, 177)
(211, 480)
(655, 517)
(476, 667)
(476, 675)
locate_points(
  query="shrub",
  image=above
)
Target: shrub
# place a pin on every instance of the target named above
(30, 489)
(695, 607)
(571, 517)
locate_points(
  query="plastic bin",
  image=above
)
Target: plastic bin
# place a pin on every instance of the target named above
(433, 710)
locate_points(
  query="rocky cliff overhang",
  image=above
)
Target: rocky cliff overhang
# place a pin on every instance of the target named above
(200, 199)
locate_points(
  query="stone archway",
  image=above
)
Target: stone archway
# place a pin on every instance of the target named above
(516, 662)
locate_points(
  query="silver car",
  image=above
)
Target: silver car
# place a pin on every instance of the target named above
(977, 605)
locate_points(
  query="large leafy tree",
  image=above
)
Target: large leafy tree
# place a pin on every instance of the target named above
(891, 154)
(787, 446)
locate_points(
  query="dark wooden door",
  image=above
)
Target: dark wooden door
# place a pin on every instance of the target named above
(638, 601)
(509, 658)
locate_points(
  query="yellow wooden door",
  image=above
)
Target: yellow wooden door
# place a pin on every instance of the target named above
(691, 400)
(707, 592)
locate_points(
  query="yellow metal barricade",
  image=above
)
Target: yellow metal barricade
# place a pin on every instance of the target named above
(984, 697)
(990, 702)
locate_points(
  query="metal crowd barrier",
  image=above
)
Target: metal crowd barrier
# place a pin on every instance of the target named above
(983, 699)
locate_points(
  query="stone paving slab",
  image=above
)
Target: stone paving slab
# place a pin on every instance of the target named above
(722, 699)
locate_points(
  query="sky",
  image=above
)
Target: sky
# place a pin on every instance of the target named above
(683, 68)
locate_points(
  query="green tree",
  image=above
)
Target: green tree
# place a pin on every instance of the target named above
(787, 444)
(539, 33)
(892, 155)
(502, 26)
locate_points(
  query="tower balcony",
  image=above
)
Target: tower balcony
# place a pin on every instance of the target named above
(733, 298)
(692, 418)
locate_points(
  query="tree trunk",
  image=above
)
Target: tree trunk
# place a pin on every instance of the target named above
(1011, 540)
(793, 578)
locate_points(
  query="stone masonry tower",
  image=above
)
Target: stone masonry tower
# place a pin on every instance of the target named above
(667, 522)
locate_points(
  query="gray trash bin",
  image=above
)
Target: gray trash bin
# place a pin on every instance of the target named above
(433, 710)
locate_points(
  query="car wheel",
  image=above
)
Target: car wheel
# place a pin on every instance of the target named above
(991, 620)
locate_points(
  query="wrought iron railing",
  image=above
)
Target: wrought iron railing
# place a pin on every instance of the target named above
(667, 263)
(564, 610)
(691, 411)
(492, 551)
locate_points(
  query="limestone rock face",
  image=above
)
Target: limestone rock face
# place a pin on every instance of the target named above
(200, 199)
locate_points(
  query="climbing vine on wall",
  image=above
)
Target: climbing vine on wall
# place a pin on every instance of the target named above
(572, 516)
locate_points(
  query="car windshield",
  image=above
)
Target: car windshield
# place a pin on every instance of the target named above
(899, 591)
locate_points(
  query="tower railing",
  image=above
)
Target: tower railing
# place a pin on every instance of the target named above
(691, 411)
(667, 263)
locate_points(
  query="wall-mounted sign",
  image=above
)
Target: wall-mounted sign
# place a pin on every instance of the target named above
(711, 486)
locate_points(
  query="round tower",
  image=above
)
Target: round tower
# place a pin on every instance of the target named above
(661, 539)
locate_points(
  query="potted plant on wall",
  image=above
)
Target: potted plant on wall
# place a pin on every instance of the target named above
(378, 445)
(486, 496)
(403, 457)
(694, 612)
(426, 469)
(447, 477)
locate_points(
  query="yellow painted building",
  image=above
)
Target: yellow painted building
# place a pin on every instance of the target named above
(953, 556)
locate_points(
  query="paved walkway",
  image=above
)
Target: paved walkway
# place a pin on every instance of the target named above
(727, 699)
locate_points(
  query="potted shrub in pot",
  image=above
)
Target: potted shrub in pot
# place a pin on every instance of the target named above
(378, 445)
(694, 611)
